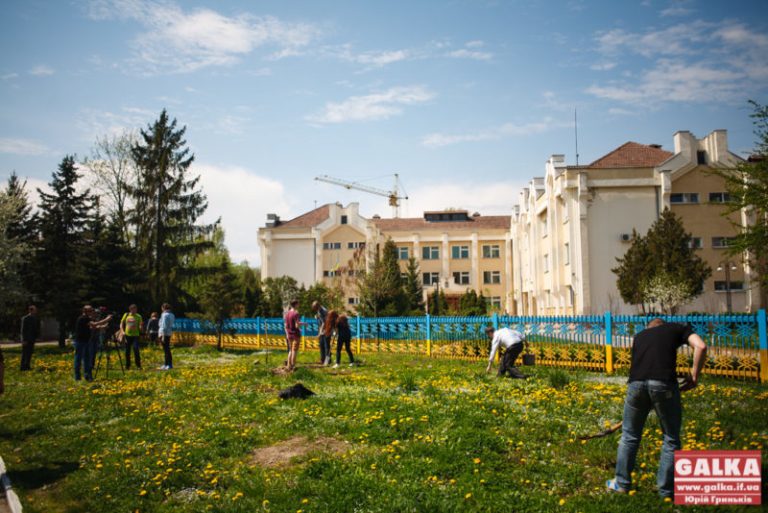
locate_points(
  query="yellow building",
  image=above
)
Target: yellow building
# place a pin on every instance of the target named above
(456, 251)
(572, 224)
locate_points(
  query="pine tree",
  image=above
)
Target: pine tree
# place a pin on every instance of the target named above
(219, 299)
(438, 304)
(414, 290)
(380, 289)
(635, 268)
(60, 258)
(167, 206)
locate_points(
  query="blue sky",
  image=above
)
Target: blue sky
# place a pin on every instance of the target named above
(464, 99)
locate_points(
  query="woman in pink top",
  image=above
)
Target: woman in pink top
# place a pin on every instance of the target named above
(293, 333)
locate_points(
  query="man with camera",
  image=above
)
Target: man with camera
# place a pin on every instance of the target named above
(84, 348)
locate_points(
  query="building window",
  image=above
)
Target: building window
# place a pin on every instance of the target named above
(695, 243)
(431, 278)
(721, 242)
(491, 277)
(566, 253)
(330, 274)
(543, 223)
(722, 285)
(461, 278)
(491, 251)
(459, 252)
(701, 157)
(684, 198)
(719, 197)
(546, 263)
(403, 253)
(495, 301)
(353, 300)
(331, 245)
(355, 245)
(343, 219)
(430, 252)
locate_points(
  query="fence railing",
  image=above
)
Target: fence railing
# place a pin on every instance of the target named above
(737, 344)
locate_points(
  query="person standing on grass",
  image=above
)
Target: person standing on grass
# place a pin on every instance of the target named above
(130, 328)
(153, 328)
(512, 341)
(30, 332)
(329, 331)
(653, 385)
(344, 337)
(292, 333)
(325, 346)
(165, 331)
(84, 327)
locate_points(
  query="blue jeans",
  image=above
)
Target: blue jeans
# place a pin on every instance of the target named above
(643, 396)
(82, 358)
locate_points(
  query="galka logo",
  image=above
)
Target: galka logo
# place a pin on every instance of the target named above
(717, 478)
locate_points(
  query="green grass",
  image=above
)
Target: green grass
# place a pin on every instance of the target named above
(421, 435)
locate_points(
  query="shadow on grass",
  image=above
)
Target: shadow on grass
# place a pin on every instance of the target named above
(20, 434)
(38, 477)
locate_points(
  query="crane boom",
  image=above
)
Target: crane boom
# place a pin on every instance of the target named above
(393, 195)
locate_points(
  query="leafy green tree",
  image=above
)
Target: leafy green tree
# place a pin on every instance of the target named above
(747, 187)
(414, 290)
(219, 299)
(438, 304)
(330, 297)
(635, 269)
(278, 292)
(470, 303)
(252, 293)
(380, 288)
(664, 256)
(167, 206)
(60, 257)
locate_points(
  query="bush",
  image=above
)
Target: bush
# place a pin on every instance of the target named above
(558, 379)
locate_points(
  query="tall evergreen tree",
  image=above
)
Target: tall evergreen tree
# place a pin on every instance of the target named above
(167, 206)
(380, 289)
(414, 290)
(634, 270)
(60, 258)
(219, 299)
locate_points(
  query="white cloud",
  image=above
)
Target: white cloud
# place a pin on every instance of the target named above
(382, 105)
(242, 198)
(504, 131)
(688, 62)
(471, 51)
(675, 11)
(475, 44)
(42, 71)
(98, 123)
(18, 146)
(603, 66)
(621, 112)
(188, 41)
(9, 76)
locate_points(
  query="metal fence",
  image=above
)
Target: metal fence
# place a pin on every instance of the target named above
(737, 344)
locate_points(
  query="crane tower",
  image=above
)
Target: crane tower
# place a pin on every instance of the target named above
(394, 196)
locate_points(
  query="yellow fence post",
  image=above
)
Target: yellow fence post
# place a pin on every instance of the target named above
(608, 343)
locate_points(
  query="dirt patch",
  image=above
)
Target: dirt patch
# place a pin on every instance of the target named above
(283, 452)
(281, 371)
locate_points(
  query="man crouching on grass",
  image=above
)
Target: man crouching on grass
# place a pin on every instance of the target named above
(513, 345)
(653, 386)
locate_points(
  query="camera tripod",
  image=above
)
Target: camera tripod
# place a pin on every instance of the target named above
(111, 343)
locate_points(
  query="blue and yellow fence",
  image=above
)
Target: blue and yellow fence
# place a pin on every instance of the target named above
(738, 344)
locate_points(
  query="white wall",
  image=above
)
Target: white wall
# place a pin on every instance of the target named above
(295, 258)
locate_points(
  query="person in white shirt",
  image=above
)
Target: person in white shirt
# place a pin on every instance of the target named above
(512, 341)
(165, 331)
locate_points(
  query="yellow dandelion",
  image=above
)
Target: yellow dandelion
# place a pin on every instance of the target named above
(562, 501)
(142, 493)
(468, 496)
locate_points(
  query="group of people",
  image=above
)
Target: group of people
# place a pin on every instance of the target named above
(94, 329)
(330, 325)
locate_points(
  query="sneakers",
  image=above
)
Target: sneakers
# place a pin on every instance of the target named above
(352, 364)
(612, 486)
(164, 367)
(335, 365)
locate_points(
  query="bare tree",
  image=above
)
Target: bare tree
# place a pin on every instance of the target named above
(112, 171)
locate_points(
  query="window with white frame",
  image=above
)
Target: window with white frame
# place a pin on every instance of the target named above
(459, 252)
(430, 278)
(403, 253)
(682, 198)
(353, 300)
(430, 252)
(721, 242)
(495, 302)
(719, 197)
(491, 277)
(491, 251)
(461, 278)
(355, 245)
(695, 243)
(721, 286)
(331, 245)
(566, 253)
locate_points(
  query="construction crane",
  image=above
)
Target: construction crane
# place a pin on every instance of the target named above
(393, 195)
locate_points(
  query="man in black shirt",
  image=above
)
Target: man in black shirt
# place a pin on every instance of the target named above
(30, 332)
(653, 385)
(83, 326)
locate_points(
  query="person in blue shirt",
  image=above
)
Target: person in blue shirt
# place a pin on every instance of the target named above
(165, 330)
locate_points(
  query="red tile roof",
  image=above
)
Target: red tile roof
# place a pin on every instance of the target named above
(418, 223)
(632, 154)
(308, 220)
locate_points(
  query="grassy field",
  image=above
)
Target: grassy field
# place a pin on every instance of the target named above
(396, 434)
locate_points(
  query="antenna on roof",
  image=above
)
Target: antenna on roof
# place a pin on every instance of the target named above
(576, 133)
